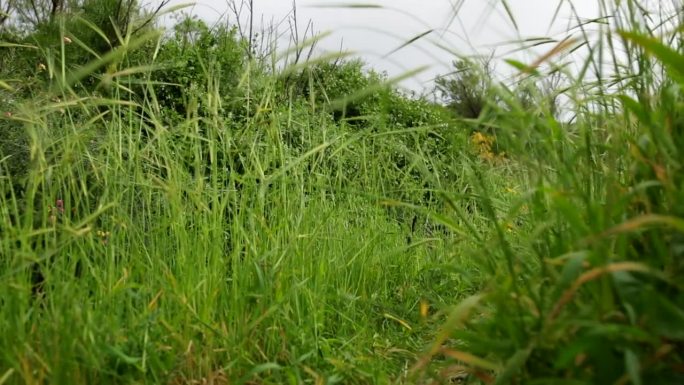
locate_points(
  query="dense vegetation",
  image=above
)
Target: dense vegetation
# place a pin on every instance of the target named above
(183, 209)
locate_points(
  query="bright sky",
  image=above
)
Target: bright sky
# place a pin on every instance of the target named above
(460, 26)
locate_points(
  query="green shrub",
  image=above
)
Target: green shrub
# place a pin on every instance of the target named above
(334, 81)
(466, 90)
(195, 60)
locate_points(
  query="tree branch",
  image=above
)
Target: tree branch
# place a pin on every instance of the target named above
(152, 16)
(5, 11)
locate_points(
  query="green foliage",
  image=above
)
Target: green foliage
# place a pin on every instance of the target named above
(466, 90)
(414, 128)
(180, 213)
(58, 43)
(41, 65)
(333, 81)
(178, 203)
(585, 287)
(193, 59)
(262, 273)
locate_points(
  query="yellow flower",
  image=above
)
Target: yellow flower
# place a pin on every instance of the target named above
(104, 236)
(424, 308)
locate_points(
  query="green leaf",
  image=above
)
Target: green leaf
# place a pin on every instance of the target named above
(6, 376)
(666, 317)
(520, 66)
(566, 354)
(175, 8)
(571, 212)
(510, 14)
(636, 108)
(457, 317)
(672, 59)
(633, 367)
(409, 42)
(134, 361)
(513, 366)
(572, 268)
(111, 56)
(269, 366)
(6, 86)
(613, 331)
(12, 45)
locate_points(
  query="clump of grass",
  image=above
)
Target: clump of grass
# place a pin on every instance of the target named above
(587, 290)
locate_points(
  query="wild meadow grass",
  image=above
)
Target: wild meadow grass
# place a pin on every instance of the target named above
(159, 261)
(289, 246)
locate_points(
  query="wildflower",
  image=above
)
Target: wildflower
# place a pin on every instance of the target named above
(67, 40)
(41, 67)
(510, 227)
(104, 236)
(424, 308)
(481, 139)
(487, 155)
(512, 190)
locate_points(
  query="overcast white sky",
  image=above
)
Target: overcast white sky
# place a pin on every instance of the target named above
(478, 25)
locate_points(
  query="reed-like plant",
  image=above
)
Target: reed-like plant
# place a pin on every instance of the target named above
(585, 288)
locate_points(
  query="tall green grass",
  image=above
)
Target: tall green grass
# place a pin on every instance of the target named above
(207, 251)
(214, 251)
(587, 290)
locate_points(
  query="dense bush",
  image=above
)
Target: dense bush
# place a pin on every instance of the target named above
(337, 81)
(195, 60)
(467, 89)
